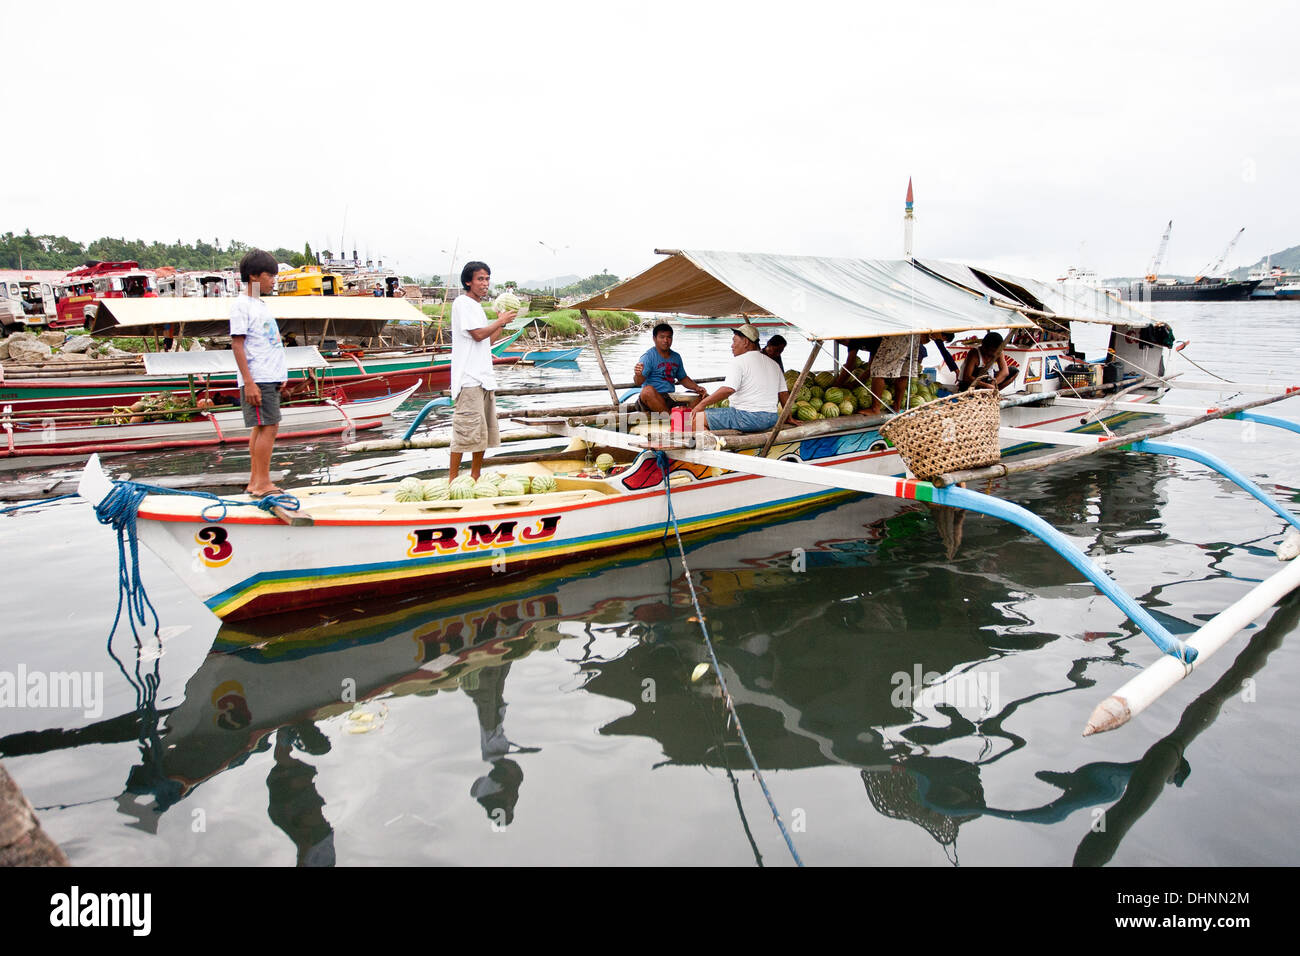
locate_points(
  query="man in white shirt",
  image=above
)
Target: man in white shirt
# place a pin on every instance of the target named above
(473, 380)
(754, 384)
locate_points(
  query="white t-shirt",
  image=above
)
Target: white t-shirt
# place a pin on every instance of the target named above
(757, 380)
(263, 349)
(471, 361)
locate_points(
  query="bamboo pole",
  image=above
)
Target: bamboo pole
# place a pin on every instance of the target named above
(397, 444)
(1158, 677)
(600, 358)
(594, 387)
(789, 399)
(1119, 442)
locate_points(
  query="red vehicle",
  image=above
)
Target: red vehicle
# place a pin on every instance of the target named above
(94, 281)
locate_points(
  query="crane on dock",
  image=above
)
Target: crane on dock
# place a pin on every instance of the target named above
(1213, 270)
(1153, 270)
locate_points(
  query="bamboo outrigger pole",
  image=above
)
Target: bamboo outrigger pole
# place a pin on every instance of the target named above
(1119, 443)
(1135, 696)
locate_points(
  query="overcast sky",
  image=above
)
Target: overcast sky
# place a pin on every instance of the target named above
(1039, 135)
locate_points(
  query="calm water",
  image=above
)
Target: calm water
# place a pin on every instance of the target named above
(553, 720)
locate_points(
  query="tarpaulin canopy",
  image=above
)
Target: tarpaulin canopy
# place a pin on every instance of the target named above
(359, 315)
(296, 357)
(822, 297)
(1069, 301)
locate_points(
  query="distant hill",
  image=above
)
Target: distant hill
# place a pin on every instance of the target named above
(1288, 259)
(559, 282)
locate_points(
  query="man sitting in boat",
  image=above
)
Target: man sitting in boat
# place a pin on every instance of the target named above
(658, 371)
(754, 385)
(773, 349)
(986, 366)
(847, 378)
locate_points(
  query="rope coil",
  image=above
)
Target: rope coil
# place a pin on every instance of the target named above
(120, 509)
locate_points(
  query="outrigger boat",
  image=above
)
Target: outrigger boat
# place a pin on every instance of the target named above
(316, 412)
(356, 541)
(363, 373)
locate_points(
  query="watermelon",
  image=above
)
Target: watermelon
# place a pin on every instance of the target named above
(459, 492)
(512, 488)
(846, 407)
(825, 379)
(815, 394)
(543, 483)
(835, 395)
(485, 489)
(830, 410)
(805, 412)
(405, 495)
(803, 395)
(436, 489)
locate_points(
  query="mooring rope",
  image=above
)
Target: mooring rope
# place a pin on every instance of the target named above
(120, 508)
(664, 465)
(34, 504)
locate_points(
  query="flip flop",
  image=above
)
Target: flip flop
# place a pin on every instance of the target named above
(262, 494)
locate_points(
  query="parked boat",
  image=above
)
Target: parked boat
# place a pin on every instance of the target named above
(325, 320)
(1205, 290)
(545, 356)
(196, 418)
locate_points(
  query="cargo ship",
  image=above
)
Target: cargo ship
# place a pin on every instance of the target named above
(1204, 290)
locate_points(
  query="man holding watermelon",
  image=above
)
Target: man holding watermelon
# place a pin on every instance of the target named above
(754, 389)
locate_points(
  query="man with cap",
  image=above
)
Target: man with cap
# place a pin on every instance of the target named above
(754, 384)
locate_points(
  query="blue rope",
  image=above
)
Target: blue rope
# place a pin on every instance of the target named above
(121, 508)
(34, 504)
(664, 465)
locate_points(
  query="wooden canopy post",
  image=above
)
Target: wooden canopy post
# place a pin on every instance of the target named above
(600, 359)
(789, 402)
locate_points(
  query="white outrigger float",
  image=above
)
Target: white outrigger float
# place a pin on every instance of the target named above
(358, 541)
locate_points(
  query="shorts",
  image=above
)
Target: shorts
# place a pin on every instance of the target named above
(474, 422)
(268, 413)
(741, 421)
(895, 358)
(669, 401)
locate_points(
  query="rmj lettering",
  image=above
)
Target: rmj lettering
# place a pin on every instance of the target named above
(62, 690)
(75, 908)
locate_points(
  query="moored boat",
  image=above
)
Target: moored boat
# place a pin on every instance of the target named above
(198, 418)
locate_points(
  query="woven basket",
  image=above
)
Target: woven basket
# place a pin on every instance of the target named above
(951, 434)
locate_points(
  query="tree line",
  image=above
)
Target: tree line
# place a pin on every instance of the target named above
(588, 286)
(27, 251)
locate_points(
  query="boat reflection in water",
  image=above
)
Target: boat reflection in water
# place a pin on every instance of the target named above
(846, 634)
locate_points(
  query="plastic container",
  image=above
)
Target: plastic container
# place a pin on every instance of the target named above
(678, 419)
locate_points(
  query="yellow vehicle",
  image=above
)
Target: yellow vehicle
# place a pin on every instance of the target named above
(308, 280)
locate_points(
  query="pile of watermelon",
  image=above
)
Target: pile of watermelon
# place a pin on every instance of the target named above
(819, 399)
(492, 484)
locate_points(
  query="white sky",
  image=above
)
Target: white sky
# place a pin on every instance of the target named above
(1039, 135)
